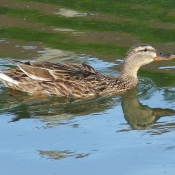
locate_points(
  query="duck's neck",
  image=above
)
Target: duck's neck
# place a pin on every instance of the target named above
(128, 70)
(128, 76)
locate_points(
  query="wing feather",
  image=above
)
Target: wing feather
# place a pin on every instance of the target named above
(46, 71)
(36, 73)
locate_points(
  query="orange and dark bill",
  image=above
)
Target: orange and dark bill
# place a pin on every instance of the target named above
(163, 56)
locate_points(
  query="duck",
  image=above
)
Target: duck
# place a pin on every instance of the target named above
(79, 80)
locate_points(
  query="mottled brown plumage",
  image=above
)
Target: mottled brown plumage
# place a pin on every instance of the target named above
(78, 80)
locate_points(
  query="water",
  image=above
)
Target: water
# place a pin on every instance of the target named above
(130, 134)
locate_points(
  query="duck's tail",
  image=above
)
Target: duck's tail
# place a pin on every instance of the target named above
(7, 79)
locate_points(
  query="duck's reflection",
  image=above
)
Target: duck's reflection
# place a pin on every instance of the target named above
(56, 111)
(57, 155)
(53, 111)
(140, 116)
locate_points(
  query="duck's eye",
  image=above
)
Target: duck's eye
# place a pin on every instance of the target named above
(145, 50)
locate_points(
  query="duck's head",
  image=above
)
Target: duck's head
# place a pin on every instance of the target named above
(140, 55)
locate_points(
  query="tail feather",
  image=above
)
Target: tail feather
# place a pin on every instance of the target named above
(6, 78)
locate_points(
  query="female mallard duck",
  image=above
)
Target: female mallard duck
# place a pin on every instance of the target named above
(81, 81)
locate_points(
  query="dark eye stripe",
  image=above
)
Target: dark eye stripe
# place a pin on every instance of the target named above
(145, 50)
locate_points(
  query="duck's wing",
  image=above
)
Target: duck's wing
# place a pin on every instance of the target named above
(46, 71)
(73, 80)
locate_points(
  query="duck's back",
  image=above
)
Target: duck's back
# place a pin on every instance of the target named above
(71, 80)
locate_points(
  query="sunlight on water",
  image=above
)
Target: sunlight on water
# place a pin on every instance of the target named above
(167, 67)
(70, 13)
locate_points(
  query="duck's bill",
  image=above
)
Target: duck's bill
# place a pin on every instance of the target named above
(163, 56)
